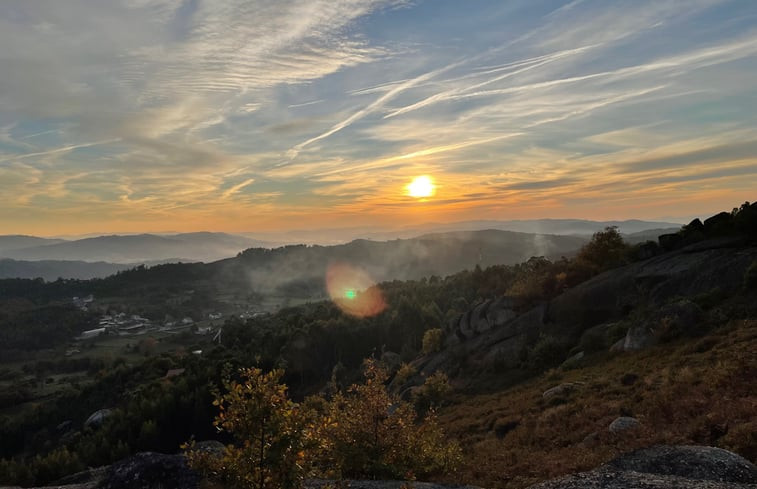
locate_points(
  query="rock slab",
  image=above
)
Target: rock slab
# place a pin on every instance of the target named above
(663, 467)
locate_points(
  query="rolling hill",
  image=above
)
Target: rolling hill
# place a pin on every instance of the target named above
(136, 248)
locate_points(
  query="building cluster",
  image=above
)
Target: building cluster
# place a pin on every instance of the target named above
(121, 325)
(83, 303)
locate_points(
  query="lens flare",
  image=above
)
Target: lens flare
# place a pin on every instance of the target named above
(353, 290)
(421, 187)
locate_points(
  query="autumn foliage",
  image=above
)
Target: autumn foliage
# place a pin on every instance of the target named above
(369, 432)
(365, 432)
(271, 432)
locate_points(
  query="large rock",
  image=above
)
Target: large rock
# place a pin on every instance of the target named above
(671, 320)
(692, 462)
(680, 467)
(638, 337)
(96, 419)
(151, 471)
(719, 224)
(484, 316)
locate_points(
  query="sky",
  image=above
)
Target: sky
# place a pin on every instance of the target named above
(268, 115)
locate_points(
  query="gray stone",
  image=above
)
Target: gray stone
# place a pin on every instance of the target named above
(96, 419)
(618, 345)
(638, 337)
(560, 390)
(692, 462)
(572, 361)
(624, 423)
(149, 470)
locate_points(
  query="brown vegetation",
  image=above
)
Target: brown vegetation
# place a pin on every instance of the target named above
(700, 392)
(365, 432)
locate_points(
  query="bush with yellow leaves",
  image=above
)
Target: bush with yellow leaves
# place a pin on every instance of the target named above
(368, 432)
(271, 430)
(365, 432)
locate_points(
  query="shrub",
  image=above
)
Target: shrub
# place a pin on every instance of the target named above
(270, 430)
(371, 433)
(432, 393)
(432, 340)
(405, 373)
(547, 352)
(594, 340)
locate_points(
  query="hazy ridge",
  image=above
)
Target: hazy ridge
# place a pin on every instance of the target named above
(97, 257)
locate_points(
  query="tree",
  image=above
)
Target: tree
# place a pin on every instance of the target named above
(270, 431)
(605, 250)
(432, 393)
(432, 340)
(369, 432)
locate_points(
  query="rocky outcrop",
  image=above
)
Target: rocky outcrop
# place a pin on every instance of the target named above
(669, 321)
(483, 317)
(151, 471)
(691, 462)
(682, 467)
(492, 335)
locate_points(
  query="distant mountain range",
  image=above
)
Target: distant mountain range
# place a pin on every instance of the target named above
(569, 227)
(129, 249)
(399, 254)
(51, 270)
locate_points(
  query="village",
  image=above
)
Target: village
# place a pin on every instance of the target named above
(125, 325)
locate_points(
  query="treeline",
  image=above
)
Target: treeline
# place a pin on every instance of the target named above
(27, 326)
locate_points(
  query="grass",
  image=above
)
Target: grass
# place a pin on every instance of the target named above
(703, 391)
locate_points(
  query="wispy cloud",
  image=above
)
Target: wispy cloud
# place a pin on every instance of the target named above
(138, 114)
(377, 104)
(236, 188)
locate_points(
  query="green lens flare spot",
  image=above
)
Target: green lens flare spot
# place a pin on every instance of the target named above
(349, 294)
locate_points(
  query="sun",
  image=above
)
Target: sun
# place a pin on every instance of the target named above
(421, 187)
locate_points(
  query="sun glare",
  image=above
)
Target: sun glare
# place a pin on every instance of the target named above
(420, 187)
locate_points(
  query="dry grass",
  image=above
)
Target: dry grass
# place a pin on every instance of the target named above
(700, 392)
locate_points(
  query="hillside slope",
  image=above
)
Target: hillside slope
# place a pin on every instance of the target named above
(494, 334)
